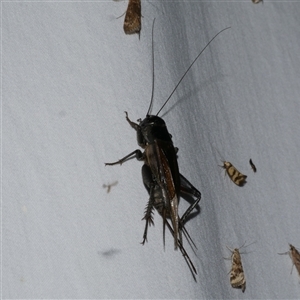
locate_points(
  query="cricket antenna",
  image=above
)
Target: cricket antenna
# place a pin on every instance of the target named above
(151, 102)
(190, 68)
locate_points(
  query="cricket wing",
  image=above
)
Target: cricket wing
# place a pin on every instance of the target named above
(161, 157)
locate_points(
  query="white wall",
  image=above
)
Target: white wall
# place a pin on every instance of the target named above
(68, 74)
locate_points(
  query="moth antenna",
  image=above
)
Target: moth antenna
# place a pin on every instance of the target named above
(248, 244)
(287, 252)
(190, 68)
(222, 159)
(243, 246)
(284, 253)
(152, 93)
(231, 250)
(214, 148)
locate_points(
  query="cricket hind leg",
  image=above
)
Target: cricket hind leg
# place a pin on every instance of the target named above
(187, 188)
(149, 185)
(155, 201)
(148, 217)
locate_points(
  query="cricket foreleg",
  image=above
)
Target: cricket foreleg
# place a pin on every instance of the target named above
(137, 154)
(132, 124)
(139, 135)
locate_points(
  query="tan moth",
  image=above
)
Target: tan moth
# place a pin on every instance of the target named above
(295, 257)
(236, 176)
(257, 1)
(252, 165)
(237, 276)
(132, 22)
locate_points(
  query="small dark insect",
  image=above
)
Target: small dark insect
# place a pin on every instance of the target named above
(295, 257)
(236, 176)
(160, 171)
(252, 165)
(109, 186)
(132, 21)
(257, 1)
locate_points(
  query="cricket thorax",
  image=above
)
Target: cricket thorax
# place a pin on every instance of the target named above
(154, 128)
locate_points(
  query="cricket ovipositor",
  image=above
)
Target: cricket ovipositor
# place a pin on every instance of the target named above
(160, 171)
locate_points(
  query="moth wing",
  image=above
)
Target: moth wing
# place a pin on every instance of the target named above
(234, 174)
(132, 21)
(237, 279)
(295, 256)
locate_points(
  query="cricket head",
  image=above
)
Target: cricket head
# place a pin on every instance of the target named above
(154, 128)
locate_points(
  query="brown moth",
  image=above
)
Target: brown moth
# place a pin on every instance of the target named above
(252, 165)
(132, 22)
(237, 177)
(295, 257)
(109, 186)
(257, 1)
(237, 276)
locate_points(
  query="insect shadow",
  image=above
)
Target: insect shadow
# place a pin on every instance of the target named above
(109, 186)
(110, 253)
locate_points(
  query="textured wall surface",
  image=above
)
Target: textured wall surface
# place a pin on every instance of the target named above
(68, 74)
